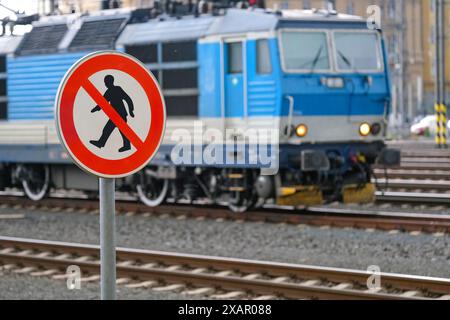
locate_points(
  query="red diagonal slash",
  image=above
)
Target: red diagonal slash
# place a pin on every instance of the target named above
(112, 114)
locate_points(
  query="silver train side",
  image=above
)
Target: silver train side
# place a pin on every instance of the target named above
(228, 72)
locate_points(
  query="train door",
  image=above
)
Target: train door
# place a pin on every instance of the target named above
(234, 83)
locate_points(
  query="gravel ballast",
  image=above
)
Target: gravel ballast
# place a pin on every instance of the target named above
(422, 254)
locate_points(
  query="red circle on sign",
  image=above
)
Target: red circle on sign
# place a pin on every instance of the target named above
(78, 77)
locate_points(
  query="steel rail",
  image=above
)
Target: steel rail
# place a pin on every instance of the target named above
(314, 216)
(425, 153)
(413, 197)
(426, 159)
(289, 289)
(412, 174)
(413, 184)
(421, 166)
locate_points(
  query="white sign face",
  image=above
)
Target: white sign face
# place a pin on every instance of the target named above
(110, 114)
(94, 128)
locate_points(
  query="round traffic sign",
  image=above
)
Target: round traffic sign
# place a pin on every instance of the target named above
(110, 114)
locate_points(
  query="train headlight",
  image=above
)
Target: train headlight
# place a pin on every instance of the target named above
(376, 129)
(301, 130)
(364, 129)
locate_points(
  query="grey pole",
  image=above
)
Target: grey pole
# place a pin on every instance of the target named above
(107, 239)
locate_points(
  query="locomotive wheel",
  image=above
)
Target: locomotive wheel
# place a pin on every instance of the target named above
(36, 181)
(152, 191)
(242, 203)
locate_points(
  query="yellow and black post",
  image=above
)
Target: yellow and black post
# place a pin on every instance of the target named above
(440, 106)
(441, 126)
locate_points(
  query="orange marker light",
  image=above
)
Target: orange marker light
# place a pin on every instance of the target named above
(301, 130)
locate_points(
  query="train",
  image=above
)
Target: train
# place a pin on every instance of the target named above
(291, 105)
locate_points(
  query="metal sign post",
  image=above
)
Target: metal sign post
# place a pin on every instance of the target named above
(107, 239)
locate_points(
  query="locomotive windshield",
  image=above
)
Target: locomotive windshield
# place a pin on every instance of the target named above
(310, 51)
(357, 51)
(298, 56)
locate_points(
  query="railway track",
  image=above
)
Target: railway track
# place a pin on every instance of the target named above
(412, 174)
(414, 184)
(443, 167)
(214, 277)
(423, 177)
(314, 216)
(419, 198)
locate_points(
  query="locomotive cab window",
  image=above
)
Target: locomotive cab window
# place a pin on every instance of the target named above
(234, 50)
(305, 51)
(356, 51)
(263, 63)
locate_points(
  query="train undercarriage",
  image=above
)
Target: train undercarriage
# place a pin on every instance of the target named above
(313, 178)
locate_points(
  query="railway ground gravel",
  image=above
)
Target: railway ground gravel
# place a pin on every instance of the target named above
(24, 287)
(423, 254)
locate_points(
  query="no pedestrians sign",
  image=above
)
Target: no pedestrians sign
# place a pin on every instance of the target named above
(110, 114)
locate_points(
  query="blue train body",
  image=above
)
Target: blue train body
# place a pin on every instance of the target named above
(286, 72)
(33, 82)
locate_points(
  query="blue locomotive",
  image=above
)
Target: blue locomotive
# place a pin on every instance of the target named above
(284, 107)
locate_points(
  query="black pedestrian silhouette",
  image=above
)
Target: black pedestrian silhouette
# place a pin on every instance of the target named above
(115, 96)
